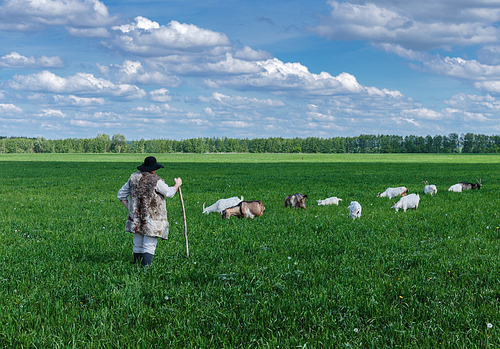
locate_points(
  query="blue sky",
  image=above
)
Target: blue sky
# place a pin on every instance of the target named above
(248, 69)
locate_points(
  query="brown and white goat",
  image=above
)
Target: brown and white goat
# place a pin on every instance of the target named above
(296, 200)
(245, 209)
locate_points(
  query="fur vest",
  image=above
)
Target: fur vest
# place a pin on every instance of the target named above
(147, 208)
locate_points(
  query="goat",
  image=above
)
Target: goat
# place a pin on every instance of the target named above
(429, 189)
(467, 185)
(330, 201)
(296, 200)
(457, 188)
(221, 204)
(393, 192)
(406, 202)
(246, 209)
(354, 210)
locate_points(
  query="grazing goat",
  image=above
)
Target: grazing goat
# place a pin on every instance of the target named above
(430, 189)
(246, 209)
(221, 205)
(330, 201)
(393, 192)
(467, 186)
(354, 210)
(457, 188)
(296, 200)
(406, 202)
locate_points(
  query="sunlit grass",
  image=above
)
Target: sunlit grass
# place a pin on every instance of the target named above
(424, 279)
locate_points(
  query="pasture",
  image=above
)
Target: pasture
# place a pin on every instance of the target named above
(290, 279)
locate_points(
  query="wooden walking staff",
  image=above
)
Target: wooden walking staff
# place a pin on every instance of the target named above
(185, 225)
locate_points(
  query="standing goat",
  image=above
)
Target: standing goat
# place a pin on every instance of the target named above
(354, 210)
(245, 209)
(429, 189)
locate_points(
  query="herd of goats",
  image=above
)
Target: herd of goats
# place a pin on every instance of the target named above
(249, 209)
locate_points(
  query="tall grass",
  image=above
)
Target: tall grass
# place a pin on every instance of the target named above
(291, 278)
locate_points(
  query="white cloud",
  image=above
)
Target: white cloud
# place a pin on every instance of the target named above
(240, 102)
(482, 76)
(422, 114)
(148, 38)
(51, 113)
(227, 66)
(161, 95)
(418, 25)
(236, 124)
(10, 108)
(466, 116)
(81, 83)
(77, 101)
(38, 14)
(295, 79)
(15, 60)
(488, 86)
(162, 109)
(249, 54)
(89, 32)
(133, 72)
(475, 103)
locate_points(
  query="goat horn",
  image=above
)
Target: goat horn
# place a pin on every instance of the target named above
(204, 205)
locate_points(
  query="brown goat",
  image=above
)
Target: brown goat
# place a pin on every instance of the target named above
(245, 209)
(296, 200)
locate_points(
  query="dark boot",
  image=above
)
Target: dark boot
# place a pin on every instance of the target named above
(147, 259)
(137, 257)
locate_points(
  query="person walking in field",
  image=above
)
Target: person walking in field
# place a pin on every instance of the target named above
(144, 197)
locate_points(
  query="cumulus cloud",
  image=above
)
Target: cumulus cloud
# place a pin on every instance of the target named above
(421, 25)
(81, 83)
(51, 113)
(10, 108)
(133, 72)
(227, 66)
(147, 38)
(161, 95)
(236, 124)
(422, 114)
(157, 109)
(78, 101)
(28, 15)
(89, 32)
(295, 79)
(249, 54)
(482, 76)
(15, 60)
(240, 102)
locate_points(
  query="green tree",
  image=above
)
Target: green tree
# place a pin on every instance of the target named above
(118, 142)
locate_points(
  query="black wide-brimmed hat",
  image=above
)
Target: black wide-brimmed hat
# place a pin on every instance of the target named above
(149, 165)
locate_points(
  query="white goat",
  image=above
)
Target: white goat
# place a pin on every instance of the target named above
(221, 204)
(329, 201)
(354, 210)
(457, 188)
(393, 192)
(430, 188)
(406, 202)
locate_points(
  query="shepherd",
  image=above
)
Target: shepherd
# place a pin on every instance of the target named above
(144, 197)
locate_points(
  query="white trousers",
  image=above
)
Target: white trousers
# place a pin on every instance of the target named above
(144, 244)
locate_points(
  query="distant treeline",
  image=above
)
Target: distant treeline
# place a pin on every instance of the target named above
(103, 143)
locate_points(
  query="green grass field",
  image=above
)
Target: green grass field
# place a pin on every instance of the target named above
(290, 279)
